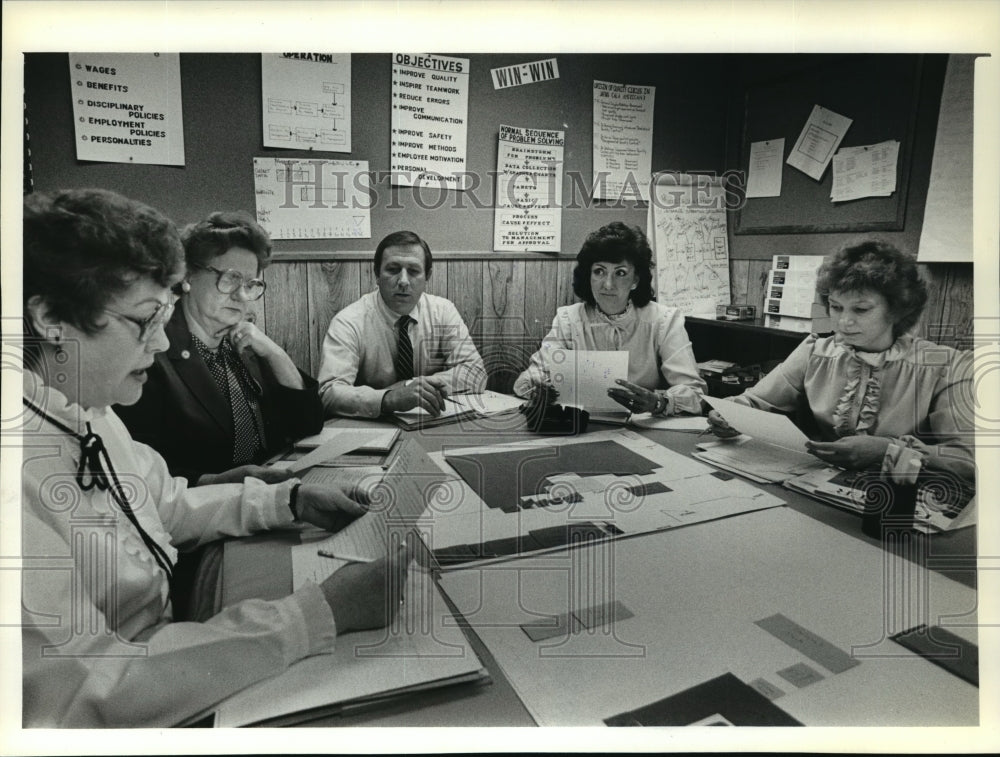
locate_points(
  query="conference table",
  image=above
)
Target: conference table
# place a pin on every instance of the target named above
(749, 547)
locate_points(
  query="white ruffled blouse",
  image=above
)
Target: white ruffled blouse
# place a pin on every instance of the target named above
(914, 389)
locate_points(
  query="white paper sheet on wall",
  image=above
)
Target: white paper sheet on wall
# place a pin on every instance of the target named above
(306, 100)
(313, 198)
(127, 107)
(528, 214)
(623, 140)
(946, 236)
(819, 140)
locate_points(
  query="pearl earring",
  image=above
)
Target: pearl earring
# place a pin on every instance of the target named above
(185, 286)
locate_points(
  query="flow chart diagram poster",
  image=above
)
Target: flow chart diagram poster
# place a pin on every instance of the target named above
(127, 107)
(623, 140)
(313, 198)
(306, 100)
(528, 213)
(430, 113)
(687, 231)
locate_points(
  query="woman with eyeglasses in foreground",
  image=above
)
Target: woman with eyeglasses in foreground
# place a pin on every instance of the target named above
(224, 397)
(102, 518)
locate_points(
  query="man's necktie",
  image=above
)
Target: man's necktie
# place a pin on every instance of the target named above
(404, 349)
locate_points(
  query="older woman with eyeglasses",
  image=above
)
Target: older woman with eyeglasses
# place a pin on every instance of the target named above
(102, 519)
(224, 397)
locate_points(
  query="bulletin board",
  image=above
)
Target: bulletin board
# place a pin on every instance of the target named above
(880, 93)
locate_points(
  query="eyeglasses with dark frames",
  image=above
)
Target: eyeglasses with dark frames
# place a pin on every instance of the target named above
(149, 325)
(228, 281)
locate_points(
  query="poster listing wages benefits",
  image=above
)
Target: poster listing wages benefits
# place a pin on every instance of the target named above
(529, 190)
(430, 105)
(127, 107)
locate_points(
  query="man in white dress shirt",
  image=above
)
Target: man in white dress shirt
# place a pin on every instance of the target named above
(398, 348)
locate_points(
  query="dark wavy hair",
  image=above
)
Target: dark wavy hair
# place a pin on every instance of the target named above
(614, 243)
(84, 246)
(877, 266)
(403, 239)
(222, 231)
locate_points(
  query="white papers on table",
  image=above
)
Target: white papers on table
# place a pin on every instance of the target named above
(112, 128)
(335, 446)
(764, 171)
(430, 114)
(776, 451)
(378, 438)
(672, 422)
(312, 198)
(583, 377)
(623, 141)
(528, 214)
(865, 171)
(306, 100)
(819, 140)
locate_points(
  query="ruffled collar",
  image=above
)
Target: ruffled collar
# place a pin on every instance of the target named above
(860, 402)
(56, 405)
(620, 320)
(877, 359)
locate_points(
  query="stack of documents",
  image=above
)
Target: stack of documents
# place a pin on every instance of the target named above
(774, 454)
(938, 508)
(460, 407)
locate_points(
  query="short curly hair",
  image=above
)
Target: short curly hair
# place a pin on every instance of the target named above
(876, 266)
(614, 243)
(222, 231)
(84, 246)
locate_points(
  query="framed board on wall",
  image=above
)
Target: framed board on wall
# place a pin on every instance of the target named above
(880, 93)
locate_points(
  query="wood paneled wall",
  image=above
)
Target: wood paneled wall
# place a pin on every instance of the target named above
(509, 304)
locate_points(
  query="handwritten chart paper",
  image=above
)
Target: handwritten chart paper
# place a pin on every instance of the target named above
(764, 174)
(306, 99)
(865, 171)
(819, 140)
(312, 198)
(430, 114)
(127, 107)
(623, 140)
(686, 227)
(528, 212)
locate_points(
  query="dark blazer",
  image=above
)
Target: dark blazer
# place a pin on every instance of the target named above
(184, 416)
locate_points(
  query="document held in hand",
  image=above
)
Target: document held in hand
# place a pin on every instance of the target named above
(775, 452)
